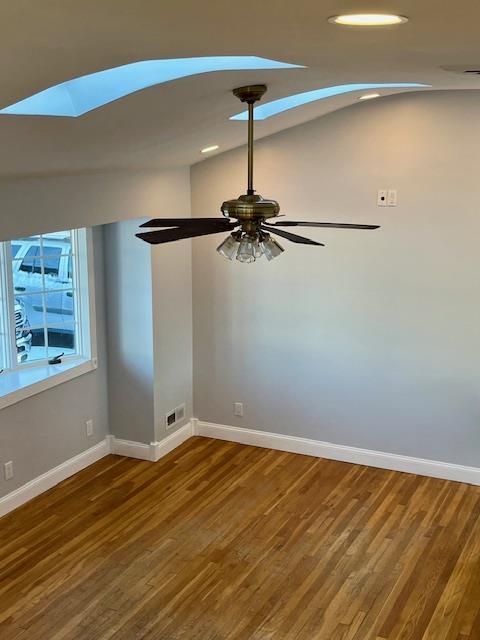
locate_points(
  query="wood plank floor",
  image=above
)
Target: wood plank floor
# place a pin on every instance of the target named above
(223, 541)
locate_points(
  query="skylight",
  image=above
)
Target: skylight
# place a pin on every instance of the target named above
(264, 111)
(76, 97)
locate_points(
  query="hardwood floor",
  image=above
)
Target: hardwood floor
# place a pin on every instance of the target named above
(223, 541)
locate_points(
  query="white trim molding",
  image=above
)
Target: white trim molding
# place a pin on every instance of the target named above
(129, 449)
(21, 384)
(343, 453)
(156, 450)
(49, 479)
(172, 441)
(153, 451)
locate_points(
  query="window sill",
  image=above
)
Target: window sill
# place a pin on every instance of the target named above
(18, 385)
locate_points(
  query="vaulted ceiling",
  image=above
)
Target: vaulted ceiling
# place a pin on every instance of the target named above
(49, 42)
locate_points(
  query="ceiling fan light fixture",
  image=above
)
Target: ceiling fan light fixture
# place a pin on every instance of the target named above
(368, 19)
(247, 251)
(271, 248)
(229, 247)
(258, 249)
(247, 218)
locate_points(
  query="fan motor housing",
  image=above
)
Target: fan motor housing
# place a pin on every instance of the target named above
(246, 208)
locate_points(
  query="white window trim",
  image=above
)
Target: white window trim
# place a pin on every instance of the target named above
(19, 385)
(28, 380)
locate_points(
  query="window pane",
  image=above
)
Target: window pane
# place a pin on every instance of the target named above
(33, 307)
(59, 306)
(61, 239)
(31, 262)
(23, 336)
(26, 281)
(61, 278)
(38, 350)
(14, 248)
(51, 259)
(61, 339)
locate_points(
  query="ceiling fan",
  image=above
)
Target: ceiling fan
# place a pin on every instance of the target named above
(247, 217)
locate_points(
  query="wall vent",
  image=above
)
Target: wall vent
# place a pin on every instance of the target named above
(180, 413)
(175, 416)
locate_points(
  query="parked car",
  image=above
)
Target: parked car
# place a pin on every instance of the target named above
(56, 309)
(23, 335)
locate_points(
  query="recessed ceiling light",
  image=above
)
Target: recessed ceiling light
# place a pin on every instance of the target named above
(368, 19)
(214, 147)
(369, 96)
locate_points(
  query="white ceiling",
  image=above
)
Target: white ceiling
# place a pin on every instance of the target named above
(45, 43)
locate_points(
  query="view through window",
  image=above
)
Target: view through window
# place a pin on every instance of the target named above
(41, 299)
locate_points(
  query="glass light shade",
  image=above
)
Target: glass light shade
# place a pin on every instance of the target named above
(258, 249)
(271, 248)
(246, 251)
(228, 248)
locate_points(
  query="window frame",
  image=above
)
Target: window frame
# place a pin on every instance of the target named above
(20, 380)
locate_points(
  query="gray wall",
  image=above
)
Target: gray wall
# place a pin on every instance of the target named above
(46, 429)
(172, 329)
(374, 340)
(149, 328)
(130, 332)
(49, 203)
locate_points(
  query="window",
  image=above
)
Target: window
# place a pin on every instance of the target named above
(44, 302)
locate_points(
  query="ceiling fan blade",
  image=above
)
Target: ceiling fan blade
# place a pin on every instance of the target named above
(170, 235)
(291, 236)
(331, 225)
(183, 222)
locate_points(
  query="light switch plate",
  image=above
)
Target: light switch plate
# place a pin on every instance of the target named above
(382, 197)
(392, 198)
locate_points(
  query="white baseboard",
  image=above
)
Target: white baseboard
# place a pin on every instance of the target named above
(129, 449)
(49, 479)
(171, 442)
(153, 451)
(305, 446)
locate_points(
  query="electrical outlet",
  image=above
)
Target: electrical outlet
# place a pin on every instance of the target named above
(8, 470)
(382, 198)
(238, 409)
(89, 428)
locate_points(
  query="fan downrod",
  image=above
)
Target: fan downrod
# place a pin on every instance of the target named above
(250, 209)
